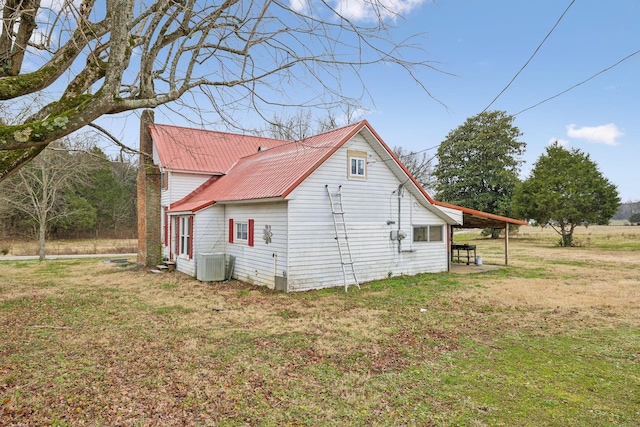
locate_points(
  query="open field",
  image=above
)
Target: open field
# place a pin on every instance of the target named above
(69, 247)
(552, 340)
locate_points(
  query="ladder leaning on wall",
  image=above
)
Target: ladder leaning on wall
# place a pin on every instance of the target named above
(342, 238)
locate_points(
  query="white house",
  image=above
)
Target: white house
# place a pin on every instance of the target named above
(267, 204)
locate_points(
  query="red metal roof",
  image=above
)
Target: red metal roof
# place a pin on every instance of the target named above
(197, 150)
(272, 173)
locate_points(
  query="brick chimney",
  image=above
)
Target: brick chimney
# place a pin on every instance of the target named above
(149, 215)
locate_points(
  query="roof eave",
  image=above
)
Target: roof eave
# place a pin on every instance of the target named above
(258, 200)
(193, 209)
(483, 215)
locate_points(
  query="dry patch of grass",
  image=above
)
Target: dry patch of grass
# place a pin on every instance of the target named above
(600, 283)
(553, 338)
(69, 247)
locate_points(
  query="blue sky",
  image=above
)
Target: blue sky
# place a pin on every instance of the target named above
(485, 43)
(480, 45)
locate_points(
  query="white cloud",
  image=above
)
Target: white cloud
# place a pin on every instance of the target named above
(606, 134)
(560, 141)
(301, 6)
(363, 9)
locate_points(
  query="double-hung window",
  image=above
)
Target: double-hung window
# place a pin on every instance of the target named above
(184, 235)
(242, 231)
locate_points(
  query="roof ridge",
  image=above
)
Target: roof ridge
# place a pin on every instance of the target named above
(300, 142)
(350, 125)
(218, 131)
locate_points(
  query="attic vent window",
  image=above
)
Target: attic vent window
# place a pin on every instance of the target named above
(357, 164)
(262, 148)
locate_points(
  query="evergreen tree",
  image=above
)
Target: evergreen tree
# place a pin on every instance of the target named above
(479, 163)
(566, 190)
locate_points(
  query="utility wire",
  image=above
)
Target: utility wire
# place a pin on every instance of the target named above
(423, 150)
(578, 84)
(531, 57)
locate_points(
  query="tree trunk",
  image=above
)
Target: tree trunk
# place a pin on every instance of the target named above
(567, 236)
(42, 232)
(42, 224)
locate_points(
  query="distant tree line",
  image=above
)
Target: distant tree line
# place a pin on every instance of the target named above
(71, 190)
(627, 210)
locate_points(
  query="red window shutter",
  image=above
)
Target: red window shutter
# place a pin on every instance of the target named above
(171, 227)
(166, 226)
(177, 235)
(250, 232)
(231, 230)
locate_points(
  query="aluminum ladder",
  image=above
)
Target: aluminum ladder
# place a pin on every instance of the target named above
(342, 238)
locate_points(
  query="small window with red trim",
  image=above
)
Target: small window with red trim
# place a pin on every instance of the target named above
(242, 231)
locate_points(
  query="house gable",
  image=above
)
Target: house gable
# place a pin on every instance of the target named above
(373, 208)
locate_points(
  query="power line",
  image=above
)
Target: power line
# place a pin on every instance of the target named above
(425, 149)
(578, 84)
(531, 57)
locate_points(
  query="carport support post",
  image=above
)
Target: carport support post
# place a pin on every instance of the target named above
(149, 229)
(506, 243)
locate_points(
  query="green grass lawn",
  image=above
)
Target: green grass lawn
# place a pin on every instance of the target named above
(87, 343)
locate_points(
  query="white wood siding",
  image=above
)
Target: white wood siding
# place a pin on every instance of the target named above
(180, 184)
(260, 263)
(314, 260)
(210, 231)
(186, 265)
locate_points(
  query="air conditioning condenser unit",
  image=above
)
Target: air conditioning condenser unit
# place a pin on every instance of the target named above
(210, 267)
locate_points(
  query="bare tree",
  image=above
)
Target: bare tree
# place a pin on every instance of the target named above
(294, 128)
(303, 125)
(37, 190)
(420, 165)
(97, 57)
